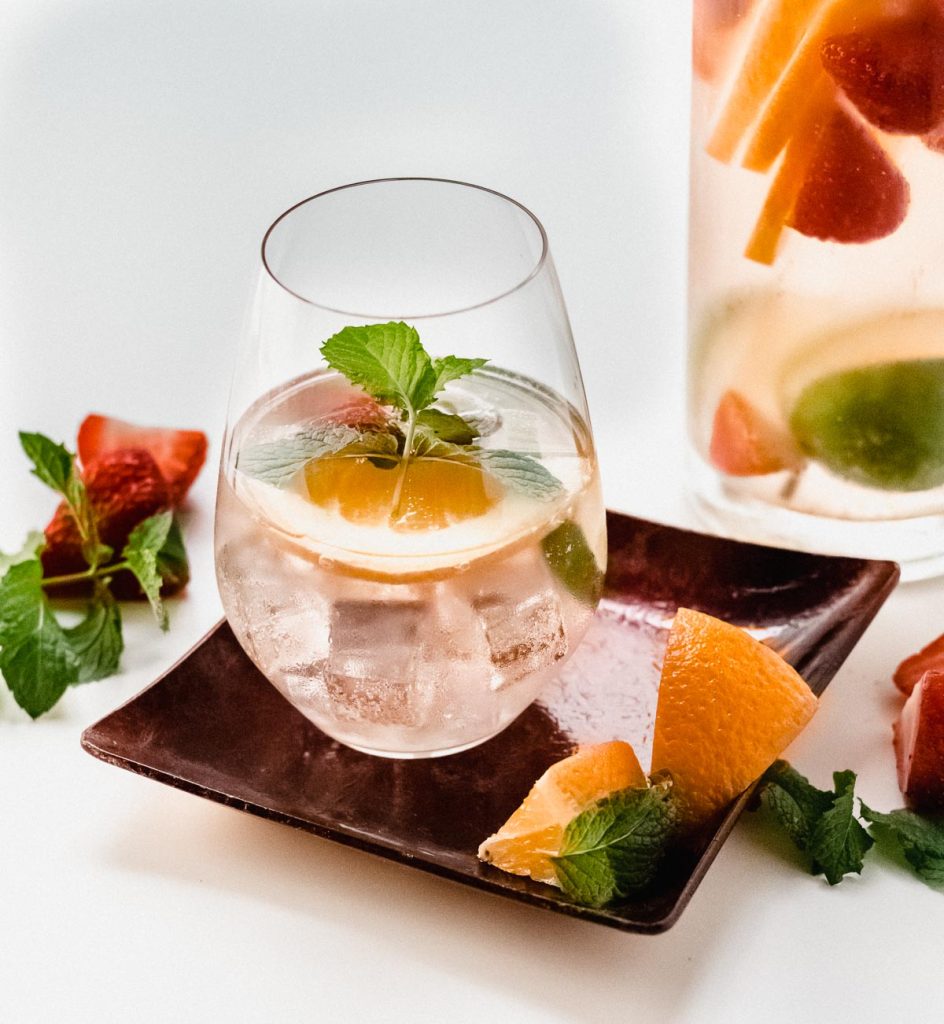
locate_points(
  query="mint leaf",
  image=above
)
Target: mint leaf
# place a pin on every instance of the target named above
(447, 426)
(838, 842)
(387, 361)
(569, 557)
(277, 462)
(794, 801)
(614, 849)
(36, 659)
(141, 551)
(520, 473)
(452, 368)
(921, 840)
(52, 463)
(96, 641)
(172, 561)
(29, 550)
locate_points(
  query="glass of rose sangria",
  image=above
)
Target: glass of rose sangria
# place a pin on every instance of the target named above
(816, 367)
(410, 534)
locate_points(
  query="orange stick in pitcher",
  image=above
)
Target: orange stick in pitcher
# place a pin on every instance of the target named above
(780, 29)
(780, 201)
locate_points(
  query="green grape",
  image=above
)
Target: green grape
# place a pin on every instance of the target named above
(882, 426)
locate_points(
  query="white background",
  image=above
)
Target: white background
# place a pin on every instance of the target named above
(145, 145)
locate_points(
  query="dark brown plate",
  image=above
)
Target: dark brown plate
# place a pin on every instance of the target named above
(214, 726)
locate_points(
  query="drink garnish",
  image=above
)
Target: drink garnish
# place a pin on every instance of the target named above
(919, 744)
(912, 668)
(880, 425)
(113, 535)
(744, 442)
(389, 363)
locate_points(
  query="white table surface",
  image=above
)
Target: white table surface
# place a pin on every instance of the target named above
(146, 145)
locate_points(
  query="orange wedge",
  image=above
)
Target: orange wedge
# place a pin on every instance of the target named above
(784, 113)
(434, 494)
(728, 707)
(778, 33)
(533, 834)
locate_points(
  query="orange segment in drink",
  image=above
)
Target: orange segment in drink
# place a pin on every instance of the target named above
(779, 31)
(434, 494)
(728, 707)
(533, 834)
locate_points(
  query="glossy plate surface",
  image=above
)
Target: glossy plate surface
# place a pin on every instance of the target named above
(213, 725)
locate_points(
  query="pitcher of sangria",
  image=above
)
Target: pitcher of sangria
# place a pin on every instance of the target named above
(816, 302)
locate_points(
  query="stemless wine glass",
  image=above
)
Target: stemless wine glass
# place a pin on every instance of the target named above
(409, 590)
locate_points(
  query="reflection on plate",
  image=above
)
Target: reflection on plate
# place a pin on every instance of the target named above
(212, 725)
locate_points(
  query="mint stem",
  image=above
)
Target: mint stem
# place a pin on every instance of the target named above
(405, 461)
(87, 574)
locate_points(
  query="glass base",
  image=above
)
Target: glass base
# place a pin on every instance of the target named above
(416, 755)
(916, 544)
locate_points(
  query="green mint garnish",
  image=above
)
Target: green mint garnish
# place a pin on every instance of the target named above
(614, 849)
(36, 659)
(39, 659)
(921, 840)
(389, 363)
(140, 555)
(821, 822)
(569, 557)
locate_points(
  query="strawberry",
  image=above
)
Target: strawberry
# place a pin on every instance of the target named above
(745, 443)
(893, 72)
(912, 669)
(178, 453)
(124, 487)
(852, 191)
(919, 744)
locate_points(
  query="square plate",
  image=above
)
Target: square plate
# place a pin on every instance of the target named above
(213, 725)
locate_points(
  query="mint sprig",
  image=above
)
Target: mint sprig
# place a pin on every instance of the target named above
(920, 839)
(614, 849)
(39, 657)
(390, 364)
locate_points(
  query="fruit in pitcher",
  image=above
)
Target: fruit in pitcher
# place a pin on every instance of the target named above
(745, 443)
(882, 426)
(533, 834)
(919, 744)
(893, 72)
(851, 192)
(728, 706)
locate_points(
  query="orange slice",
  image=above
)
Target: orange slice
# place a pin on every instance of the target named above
(728, 707)
(533, 834)
(784, 112)
(745, 443)
(434, 494)
(788, 182)
(779, 31)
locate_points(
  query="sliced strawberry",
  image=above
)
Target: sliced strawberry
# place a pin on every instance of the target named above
(179, 453)
(912, 669)
(745, 443)
(893, 72)
(919, 744)
(124, 487)
(852, 191)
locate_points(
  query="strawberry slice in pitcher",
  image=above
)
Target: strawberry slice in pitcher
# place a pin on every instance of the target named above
(852, 191)
(893, 72)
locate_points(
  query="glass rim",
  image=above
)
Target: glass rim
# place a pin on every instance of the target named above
(535, 270)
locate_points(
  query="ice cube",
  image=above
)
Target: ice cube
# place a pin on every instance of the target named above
(371, 670)
(523, 636)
